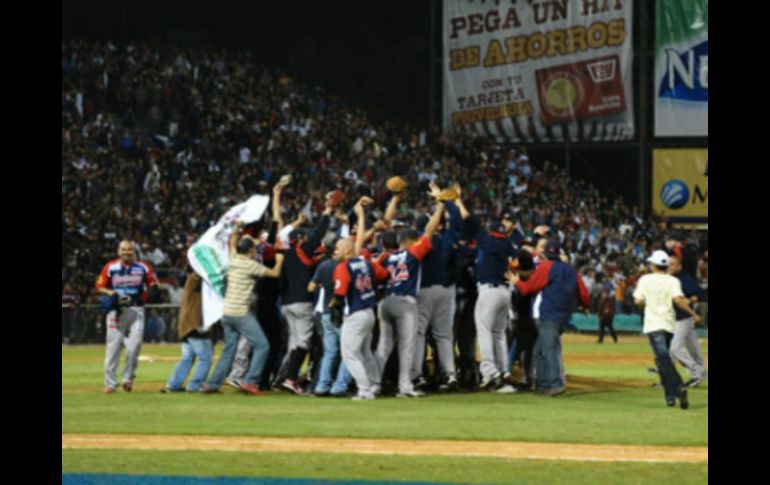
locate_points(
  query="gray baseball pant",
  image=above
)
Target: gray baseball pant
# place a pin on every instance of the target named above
(241, 361)
(436, 310)
(356, 349)
(115, 342)
(299, 317)
(491, 315)
(398, 314)
(685, 348)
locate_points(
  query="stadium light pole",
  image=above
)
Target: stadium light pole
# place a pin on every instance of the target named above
(643, 62)
(432, 68)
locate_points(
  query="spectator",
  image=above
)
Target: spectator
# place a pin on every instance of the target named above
(606, 316)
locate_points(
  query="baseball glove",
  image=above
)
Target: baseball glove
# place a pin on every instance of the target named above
(335, 198)
(448, 194)
(396, 184)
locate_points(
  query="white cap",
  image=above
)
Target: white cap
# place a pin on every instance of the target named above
(658, 258)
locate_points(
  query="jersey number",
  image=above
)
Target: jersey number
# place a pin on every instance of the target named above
(398, 273)
(363, 283)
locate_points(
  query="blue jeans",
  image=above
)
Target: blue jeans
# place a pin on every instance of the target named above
(660, 342)
(512, 352)
(547, 353)
(234, 327)
(330, 360)
(192, 348)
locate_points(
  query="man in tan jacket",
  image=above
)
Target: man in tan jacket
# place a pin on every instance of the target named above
(195, 342)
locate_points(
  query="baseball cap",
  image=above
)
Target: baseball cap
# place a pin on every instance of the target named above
(658, 258)
(552, 249)
(295, 234)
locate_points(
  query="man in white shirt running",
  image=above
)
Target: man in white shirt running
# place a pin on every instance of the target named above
(655, 292)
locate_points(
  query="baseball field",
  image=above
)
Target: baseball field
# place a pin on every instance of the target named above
(611, 427)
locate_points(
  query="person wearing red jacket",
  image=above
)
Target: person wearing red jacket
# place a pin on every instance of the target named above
(558, 283)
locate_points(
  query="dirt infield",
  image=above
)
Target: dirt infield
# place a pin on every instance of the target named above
(499, 449)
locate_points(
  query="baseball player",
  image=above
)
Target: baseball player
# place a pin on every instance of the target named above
(126, 285)
(353, 307)
(495, 248)
(323, 282)
(685, 348)
(296, 301)
(436, 297)
(398, 310)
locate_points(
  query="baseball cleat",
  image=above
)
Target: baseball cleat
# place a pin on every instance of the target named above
(251, 389)
(420, 382)
(291, 385)
(128, 386)
(683, 402)
(693, 382)
(414, 393)
(233, 382)
(110, 390)
(506, 389)
(492, 383)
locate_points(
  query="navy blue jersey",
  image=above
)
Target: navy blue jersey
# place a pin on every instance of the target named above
(439, 266)
(354, 280)
(690, 288)
(403, 268)
(493, 250)
(324, 278)
(133, 280)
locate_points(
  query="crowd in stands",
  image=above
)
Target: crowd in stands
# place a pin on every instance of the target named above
(157, 143)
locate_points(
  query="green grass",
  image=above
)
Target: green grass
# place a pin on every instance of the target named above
(618, 406)
(615, 415)
(381, 467)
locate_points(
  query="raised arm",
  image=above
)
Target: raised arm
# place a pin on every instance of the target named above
(277, 205)
(390, 212)
(434, 221)
(464, 212)
(319, 231)
(233, 242)
(361, 232)
(275, 271)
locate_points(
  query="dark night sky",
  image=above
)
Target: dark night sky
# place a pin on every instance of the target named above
(375, 54)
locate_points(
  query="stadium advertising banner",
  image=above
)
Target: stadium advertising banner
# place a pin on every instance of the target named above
(680, 185)
(537, 71)
(682, 68)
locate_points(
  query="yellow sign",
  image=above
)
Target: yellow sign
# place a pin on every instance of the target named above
(680, 184)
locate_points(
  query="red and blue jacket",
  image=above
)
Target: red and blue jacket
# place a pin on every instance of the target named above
(353, 281)
(133, 280)
(404, 268)
(560, 284)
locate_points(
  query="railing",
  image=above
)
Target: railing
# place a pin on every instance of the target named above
(84, 324)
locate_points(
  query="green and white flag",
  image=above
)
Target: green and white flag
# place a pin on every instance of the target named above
(209, 255)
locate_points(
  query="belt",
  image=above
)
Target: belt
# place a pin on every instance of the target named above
(494, 285)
